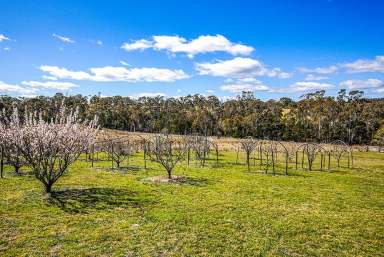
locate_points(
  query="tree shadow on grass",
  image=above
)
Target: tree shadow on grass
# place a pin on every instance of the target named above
(93, 199)
(178, 180)
(197, 181)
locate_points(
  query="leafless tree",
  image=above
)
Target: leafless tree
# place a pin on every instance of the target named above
(119, 150)
(201, 146)
(248, 145)
(166, 151)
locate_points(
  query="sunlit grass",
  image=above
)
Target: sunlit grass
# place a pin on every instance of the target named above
(221, 210)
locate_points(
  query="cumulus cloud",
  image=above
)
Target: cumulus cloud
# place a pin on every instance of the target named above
(63, 73)
(137, 45)
(375, 65)
(311, 77)
(202, 44)
(362, 84)
(110, 73)
(319, 70)
(50, 85)
(303, 86)
(3, 38)
(10, 88)
(63, 39)
(246, 84)
(239, 67)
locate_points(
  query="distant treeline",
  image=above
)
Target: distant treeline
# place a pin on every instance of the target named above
(315, 117)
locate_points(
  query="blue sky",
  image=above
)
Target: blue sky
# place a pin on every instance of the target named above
(132, 48)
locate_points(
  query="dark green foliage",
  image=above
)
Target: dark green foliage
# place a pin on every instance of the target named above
(315, 118)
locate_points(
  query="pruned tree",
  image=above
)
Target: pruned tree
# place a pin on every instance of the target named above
(166, 151)
(201, 146)
(268, 150)
(49, 147)
(1, 161)
(248, 145)
(119, 150)
(311, 150)
(10, 152)
(339, 150)
(216, 148)
(14, 157)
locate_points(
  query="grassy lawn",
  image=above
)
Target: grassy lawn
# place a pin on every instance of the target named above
(219, 211)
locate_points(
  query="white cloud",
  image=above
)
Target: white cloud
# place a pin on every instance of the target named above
(110, 73)
(99, 42)
(29, 96)
(375, 65)
(276, 72)
(302, 86)
(48, 77)
(311, 77)
(9, 88)
(63, 39)
(63, 73)
(137, 45)
(124, 63)
(210, 91)
(226, 98)
(149, 94)
(319, 70)
(239, 67)
(246, 84)
(3, 38)
(202, 44)
(6, 48)
(137, 74)
(50, 85)
(362, 84)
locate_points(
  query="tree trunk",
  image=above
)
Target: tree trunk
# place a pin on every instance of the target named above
(17, 169)
(1, 165)
(48, 188)
(169, 174)
(286, 163)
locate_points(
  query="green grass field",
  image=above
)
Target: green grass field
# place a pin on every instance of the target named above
(219, 211)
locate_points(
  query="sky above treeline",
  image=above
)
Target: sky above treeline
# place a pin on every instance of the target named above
(274, 48)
